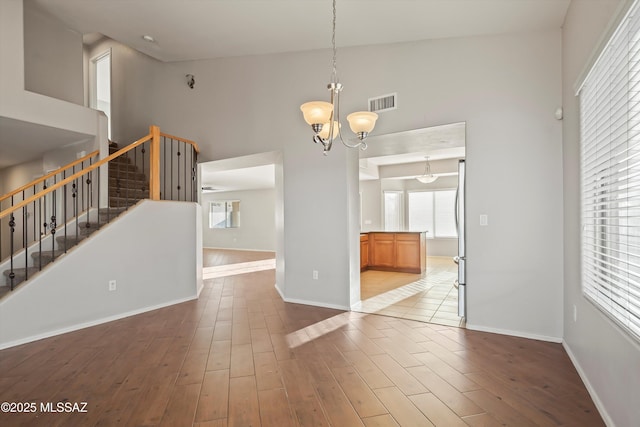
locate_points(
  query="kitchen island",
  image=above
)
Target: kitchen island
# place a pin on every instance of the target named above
(401, 251)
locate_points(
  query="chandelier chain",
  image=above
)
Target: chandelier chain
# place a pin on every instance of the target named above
(334, 76)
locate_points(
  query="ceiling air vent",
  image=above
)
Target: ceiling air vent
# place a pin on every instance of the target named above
(384, 103)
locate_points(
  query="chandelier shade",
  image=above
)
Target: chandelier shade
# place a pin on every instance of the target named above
(326, 128)
(316, 112)
(427, 177)
(362, 121)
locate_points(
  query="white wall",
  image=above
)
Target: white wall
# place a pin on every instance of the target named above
(371, 205)
(148, 272)
(505, 87)
(608, 360)
(133, 82)
(257, 229)
(52, 56)
(15, 102)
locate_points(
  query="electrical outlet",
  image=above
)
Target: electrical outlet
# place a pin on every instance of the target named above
(315, 274)
(112, 285)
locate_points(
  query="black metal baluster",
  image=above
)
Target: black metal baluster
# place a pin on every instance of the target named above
(82, 187)
(25, 230)
(44, 218)
(24, 240)
(178, 176)
(40, 232)
(98, 200)
(66, 216)
(74, 195)
(53, 220)
(195, 175)
(89, 196)
(34, 215)
(135, 163)
(164, 168)
(143, 163)
(12, 226)
(171, 182)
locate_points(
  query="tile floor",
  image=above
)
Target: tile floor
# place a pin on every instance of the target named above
(429, 298)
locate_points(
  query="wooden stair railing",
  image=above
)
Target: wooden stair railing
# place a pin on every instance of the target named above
(33, 184)
(158, 166)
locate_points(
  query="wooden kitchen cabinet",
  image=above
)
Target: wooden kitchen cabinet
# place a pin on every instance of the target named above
(364, 252)
(397, 251)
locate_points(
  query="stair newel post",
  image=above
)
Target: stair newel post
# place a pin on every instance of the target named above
(154, 164)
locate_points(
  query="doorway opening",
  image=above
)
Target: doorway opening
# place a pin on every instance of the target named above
(100, 92)
(393, 200)
(241, 203)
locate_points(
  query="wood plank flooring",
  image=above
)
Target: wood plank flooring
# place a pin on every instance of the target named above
(240, 356)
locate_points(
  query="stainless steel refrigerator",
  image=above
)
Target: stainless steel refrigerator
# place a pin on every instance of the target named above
(462, 249)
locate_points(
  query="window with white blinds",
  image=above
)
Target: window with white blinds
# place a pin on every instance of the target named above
(610, 177)
(433, 212)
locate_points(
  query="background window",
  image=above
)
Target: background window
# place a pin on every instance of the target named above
(393, 213)
(433, 212)
(224, 214)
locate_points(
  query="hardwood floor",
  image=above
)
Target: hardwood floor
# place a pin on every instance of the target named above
(240, 356)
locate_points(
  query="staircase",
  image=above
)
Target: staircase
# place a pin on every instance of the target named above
(60, 209)
(127, 186)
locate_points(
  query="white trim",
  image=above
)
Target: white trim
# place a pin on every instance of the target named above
(592, 392)
(520, 334)
(93, 86)
(107, 319)
(612, 26)
(239, 249)
(312, 303)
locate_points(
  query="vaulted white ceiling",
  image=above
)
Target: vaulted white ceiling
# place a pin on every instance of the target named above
(199, 29)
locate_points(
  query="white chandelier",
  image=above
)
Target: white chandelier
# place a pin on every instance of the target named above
(427, 177)
(324, 117)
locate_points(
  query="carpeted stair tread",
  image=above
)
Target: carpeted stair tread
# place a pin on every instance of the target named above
(45, 257)
(20, 275)
(139, 184)
(122, 201)
(122, 166)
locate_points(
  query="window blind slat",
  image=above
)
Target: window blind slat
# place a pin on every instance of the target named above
(610, 177)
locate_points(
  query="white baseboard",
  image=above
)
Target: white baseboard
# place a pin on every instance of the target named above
(240, 249)
(84, 325)
(313, 303)
(594, 396)
(514, 333)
